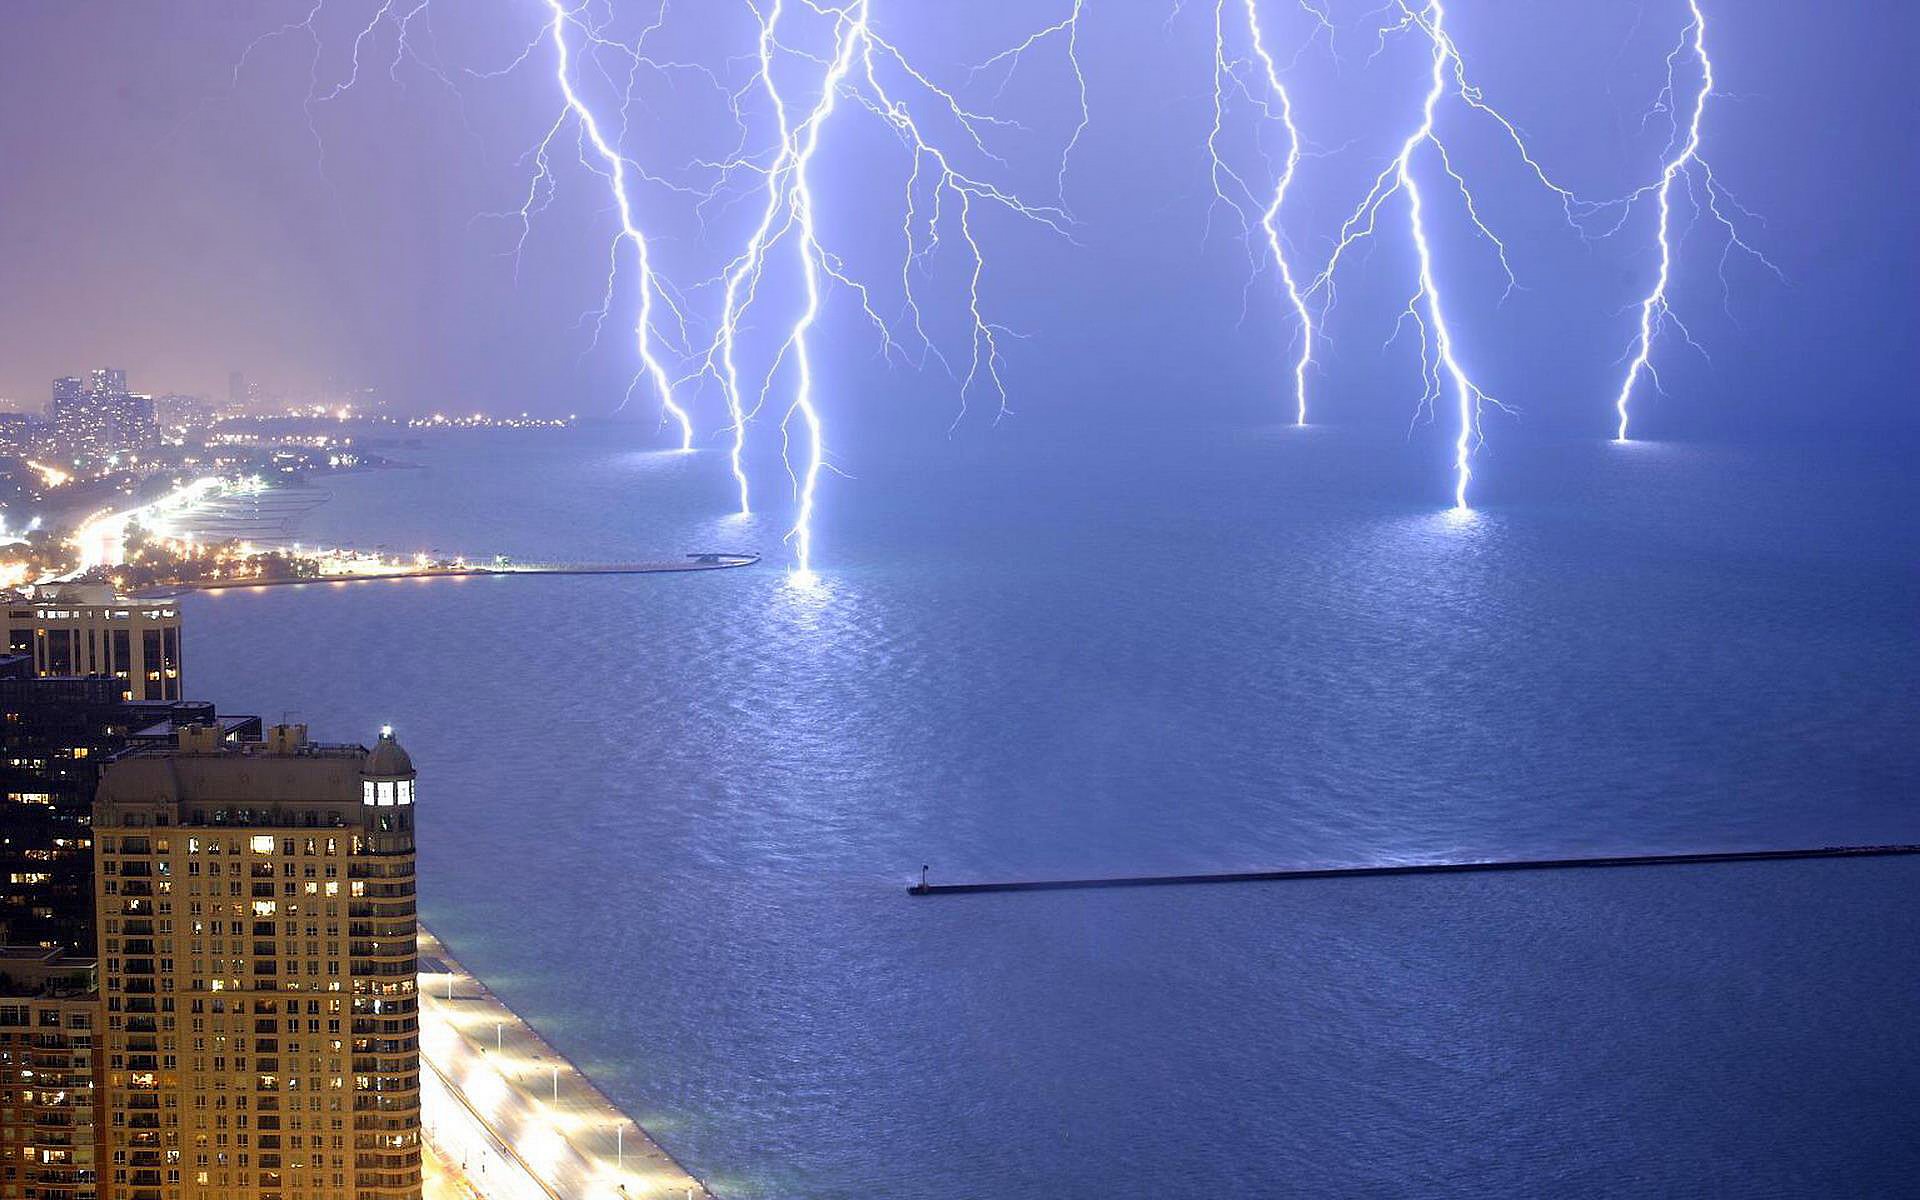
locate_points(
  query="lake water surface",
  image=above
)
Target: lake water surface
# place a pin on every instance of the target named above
(670, 818)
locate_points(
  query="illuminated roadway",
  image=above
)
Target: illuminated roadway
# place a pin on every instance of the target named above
(509, 1119)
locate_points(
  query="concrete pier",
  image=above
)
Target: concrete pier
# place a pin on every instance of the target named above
(1445, 868)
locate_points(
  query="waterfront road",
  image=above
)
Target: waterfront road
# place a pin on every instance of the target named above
(510, 1119)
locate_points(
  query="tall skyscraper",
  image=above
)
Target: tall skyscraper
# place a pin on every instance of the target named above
(258, 945)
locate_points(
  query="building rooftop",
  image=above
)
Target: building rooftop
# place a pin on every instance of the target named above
(203, 766)
(36, 971)
(388, 758)
(80, 595)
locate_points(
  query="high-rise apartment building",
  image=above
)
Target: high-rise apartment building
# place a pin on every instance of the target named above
(84, 629)
(50, 1104)
(257, 943)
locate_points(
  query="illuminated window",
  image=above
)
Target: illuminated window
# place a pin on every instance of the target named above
(263, 844)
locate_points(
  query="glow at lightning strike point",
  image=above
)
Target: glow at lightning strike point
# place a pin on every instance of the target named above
(1653, 309)
(1440, 365)
(790, 209)
(616, 174)
(1465, 393)
(1270, 218)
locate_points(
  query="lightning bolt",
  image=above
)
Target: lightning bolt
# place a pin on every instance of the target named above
(1231, 188)
(1270, 216)
(614, 170)
(940, 196)
(598, 152)
(851, 30)
(1682, 164)
(1441, 369)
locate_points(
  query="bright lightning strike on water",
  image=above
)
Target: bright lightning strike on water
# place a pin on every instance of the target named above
(1230, 186)
(614, 168)
(1442, 371)
(941, 202)
(1683, 163)
(815, 60)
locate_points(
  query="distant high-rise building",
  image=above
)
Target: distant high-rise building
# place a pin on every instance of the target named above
(84, 629)
(67, 389)
(236, 388)
(66, 411)
(258, 946)
(136, 421)
(100, 416)
(177, 413)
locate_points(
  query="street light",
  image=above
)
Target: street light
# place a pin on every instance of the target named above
(556, 1083)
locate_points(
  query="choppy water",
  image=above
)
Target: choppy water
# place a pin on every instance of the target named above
(670, 818)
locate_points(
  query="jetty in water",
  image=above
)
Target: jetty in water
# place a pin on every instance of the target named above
(926, 888)
(706, 561)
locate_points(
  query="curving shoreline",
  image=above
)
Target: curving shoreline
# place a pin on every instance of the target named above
(695, 562)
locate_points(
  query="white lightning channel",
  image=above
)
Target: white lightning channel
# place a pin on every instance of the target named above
(1441, 369)
(851, 29)
(939, 196)
(1270, 216)
(615, 171)
(1682, 165)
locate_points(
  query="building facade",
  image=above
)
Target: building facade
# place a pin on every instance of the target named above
(55, 734)
(258, 943)
(50, 1105)
(84, 629)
